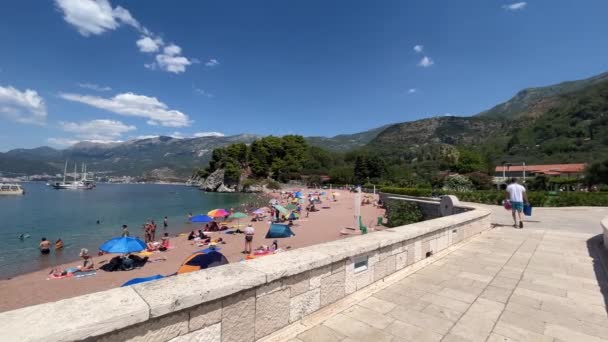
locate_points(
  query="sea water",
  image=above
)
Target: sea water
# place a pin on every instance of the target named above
(72, 215)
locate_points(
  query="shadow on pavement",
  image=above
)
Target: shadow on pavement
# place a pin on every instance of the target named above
(599, 254)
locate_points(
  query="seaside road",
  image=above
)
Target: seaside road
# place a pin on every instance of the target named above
(540, 284)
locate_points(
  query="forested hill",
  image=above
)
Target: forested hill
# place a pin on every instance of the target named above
(572, 128)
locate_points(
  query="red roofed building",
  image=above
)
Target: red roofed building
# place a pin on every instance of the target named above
(533, 170)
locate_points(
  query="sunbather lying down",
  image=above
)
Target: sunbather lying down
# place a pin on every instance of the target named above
(68, 272)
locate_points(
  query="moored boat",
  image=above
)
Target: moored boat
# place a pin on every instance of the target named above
(11, 189)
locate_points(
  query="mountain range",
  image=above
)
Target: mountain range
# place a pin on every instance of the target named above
(566, 122)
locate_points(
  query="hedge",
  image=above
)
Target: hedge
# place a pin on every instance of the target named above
(537, 198)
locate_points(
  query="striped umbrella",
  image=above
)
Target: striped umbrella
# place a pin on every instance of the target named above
(218, 213)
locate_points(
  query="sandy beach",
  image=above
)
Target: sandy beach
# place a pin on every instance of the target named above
(321, 226)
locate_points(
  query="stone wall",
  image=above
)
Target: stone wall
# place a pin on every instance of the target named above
(242, 301)
(428, 205)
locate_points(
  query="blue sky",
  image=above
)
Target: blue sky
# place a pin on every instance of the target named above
(73, 70)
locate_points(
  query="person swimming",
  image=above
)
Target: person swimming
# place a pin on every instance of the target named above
(58, 244)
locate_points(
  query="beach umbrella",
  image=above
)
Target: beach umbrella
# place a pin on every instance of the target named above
(142, 280)
(201, 218)
(218, 213)
(238, 216)
(291, 207)
(281, 209)
(123, 245)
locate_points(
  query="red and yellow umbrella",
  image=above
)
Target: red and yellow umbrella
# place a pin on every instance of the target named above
(218, 213)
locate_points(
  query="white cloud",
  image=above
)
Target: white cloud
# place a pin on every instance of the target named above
(212, 62)
(94, 86)
(203, 92)
(172, 63)
(94, 16)
(172, 50)
(517, 6)
(412, 90)
(177, 135)
(208, 134)
(97, 130)
(62, 142)
(418, 48)
(426, 62)
(131, 104)
(22, 106)
(142, 137)
(147, 44)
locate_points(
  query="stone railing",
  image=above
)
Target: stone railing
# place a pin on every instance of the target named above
(242, 301)
(604, 224)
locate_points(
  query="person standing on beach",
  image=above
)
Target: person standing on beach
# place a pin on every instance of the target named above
(516, 194)
(45, 246)
(152, 231)
(165, 223)
(249, 232)
(125, 231)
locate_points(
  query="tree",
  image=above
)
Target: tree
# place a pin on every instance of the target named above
(597, 173)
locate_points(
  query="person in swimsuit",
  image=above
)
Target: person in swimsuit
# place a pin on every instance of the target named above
(87, 263)
(45, 246)
(58, 244)
(249, 232)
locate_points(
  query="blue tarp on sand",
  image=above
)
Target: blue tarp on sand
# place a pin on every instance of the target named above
(142, 280)
(279, 231)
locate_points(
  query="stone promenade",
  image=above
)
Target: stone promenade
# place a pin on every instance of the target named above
(537, 284)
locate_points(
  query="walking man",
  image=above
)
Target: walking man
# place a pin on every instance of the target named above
(516, 194)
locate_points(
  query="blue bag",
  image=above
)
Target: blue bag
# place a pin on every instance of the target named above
(528, 209)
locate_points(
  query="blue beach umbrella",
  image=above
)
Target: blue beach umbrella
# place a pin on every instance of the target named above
(123, 245)
(201, 218)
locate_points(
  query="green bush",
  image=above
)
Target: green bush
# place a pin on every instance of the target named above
(400, 213)
(273, 185)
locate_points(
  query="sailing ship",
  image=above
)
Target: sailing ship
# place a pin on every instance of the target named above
(82, 184)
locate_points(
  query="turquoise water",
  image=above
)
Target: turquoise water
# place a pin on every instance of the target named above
(72, 214)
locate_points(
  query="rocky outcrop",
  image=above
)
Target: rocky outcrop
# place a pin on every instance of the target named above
(224, 188)
(213, 181)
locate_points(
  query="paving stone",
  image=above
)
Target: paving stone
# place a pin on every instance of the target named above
(497, 294)
(442, 312)
(475, 276)
(412, 333)
(320, 333)
(377, 305)
(566, 334)
(458, 295)
(530, 323)
(368, 316)
(451, 304)
(355, 329)
(422, 320)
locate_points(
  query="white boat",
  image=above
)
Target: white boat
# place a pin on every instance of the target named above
(11, 189)
(82, 184)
